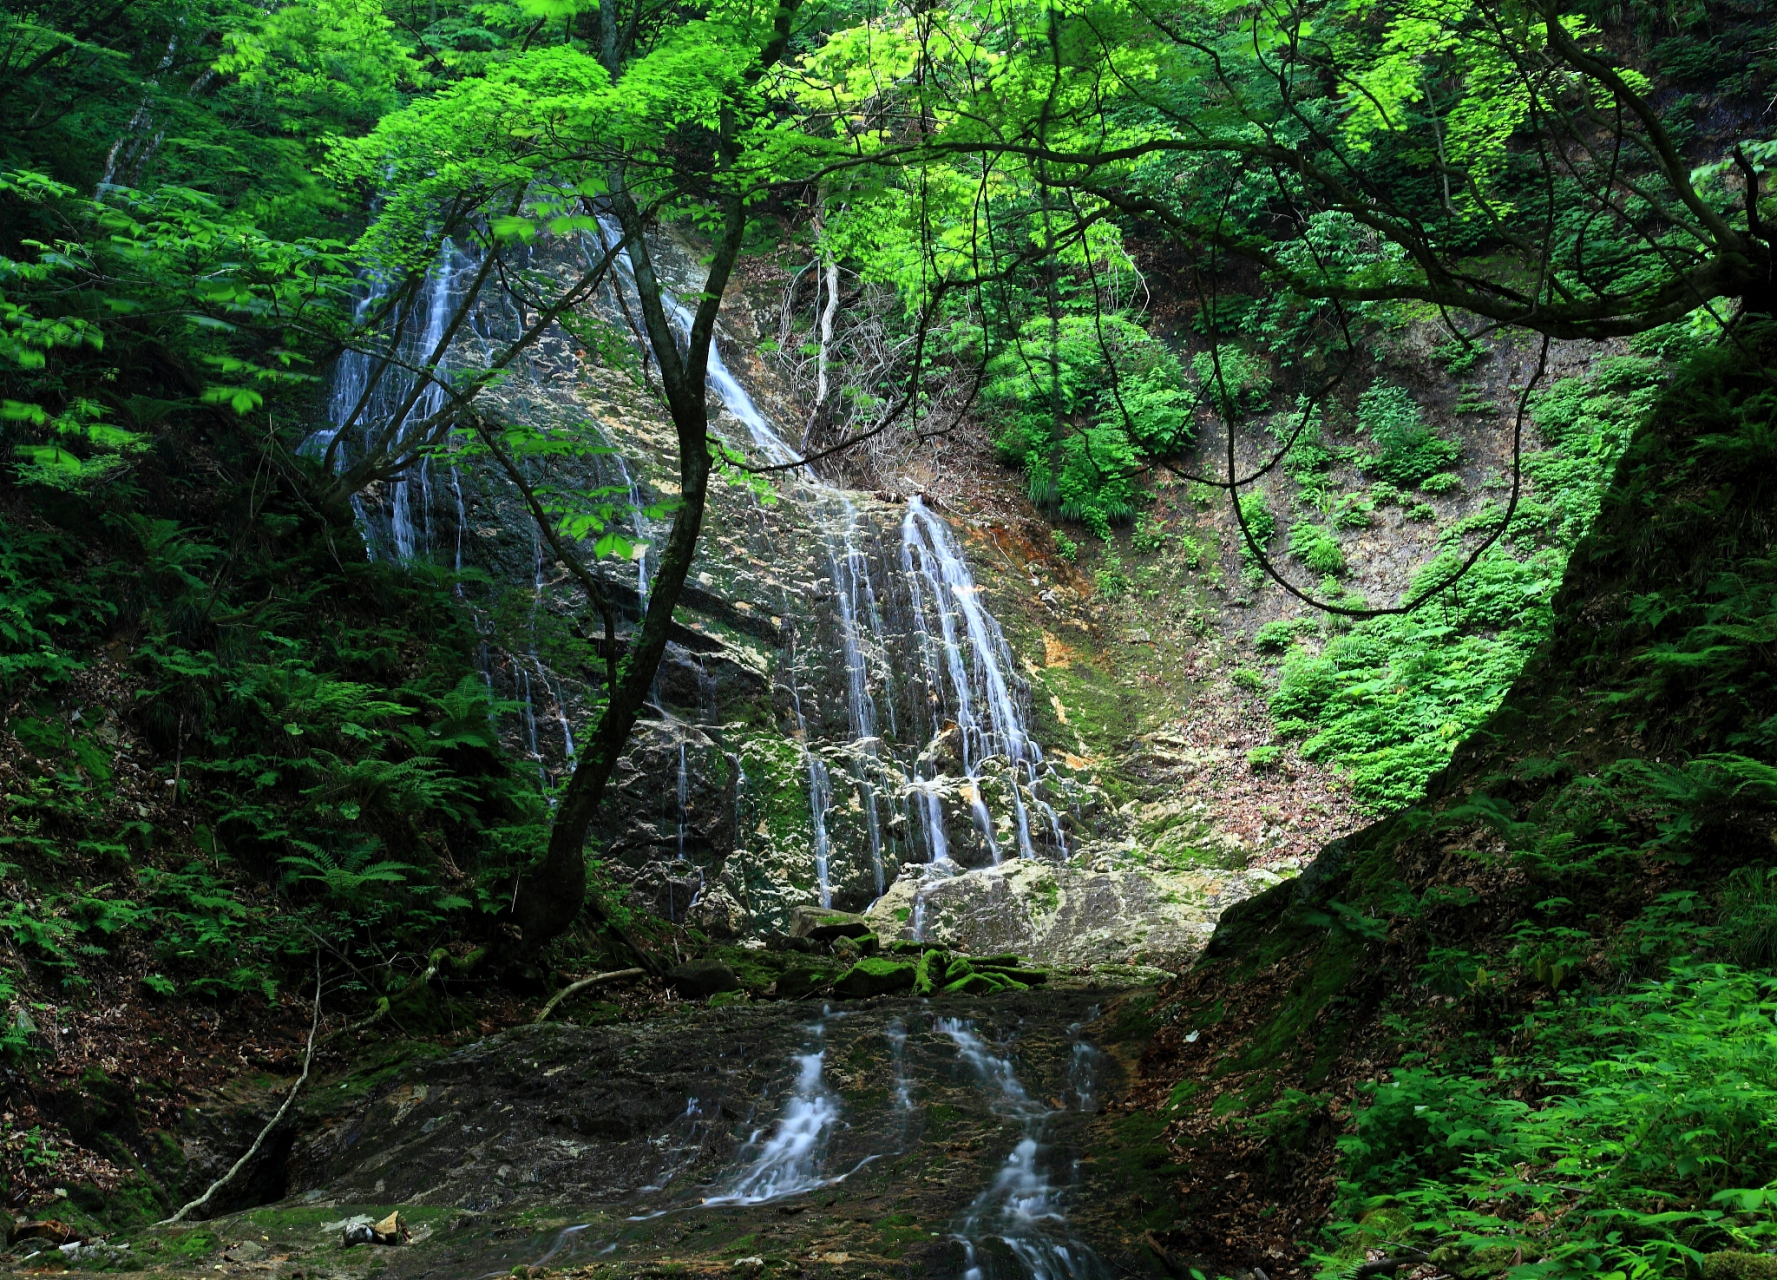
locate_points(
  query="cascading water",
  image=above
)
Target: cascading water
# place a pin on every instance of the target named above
(943, 591)
(946, 660)
(941, 579)
(788, 1162)
(860, 617)
(1022, 1207)
(401, 523)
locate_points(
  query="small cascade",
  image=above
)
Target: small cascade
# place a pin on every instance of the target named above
(402, 523)
(1022, 1207)
(942, 583)
(860, 620)
(788, 1162)
(684, 790)
(820, 792)
(640, 527)
(1085, 1068)
(896, 1030)
(683, 1143)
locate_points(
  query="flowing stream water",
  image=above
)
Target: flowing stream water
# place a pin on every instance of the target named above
(910, 1079)
(1022, 1207)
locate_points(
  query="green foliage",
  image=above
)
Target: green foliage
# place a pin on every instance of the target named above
(1390, 699)
(1443, 482)
(1641, 1117)
(1237, 382)
(1150, 534)
(1748, 925)
(1280, 633)
(1407, 450)
(1065, 547)
(1261, 527)
(1081, 407)
(1109, 577)
(1315, 546)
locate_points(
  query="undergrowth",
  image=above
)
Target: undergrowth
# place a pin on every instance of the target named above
(1390, 699)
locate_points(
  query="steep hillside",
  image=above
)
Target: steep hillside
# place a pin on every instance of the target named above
(1507, 1024)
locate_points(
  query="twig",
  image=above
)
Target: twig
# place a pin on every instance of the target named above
(581, 985)
(258, 1142)
(1388, 1266)
(376, 1015)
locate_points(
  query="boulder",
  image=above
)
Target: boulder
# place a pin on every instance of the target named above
(823, 924)
(800, 982)
(874, 976)
(703, 978)
(978, 984)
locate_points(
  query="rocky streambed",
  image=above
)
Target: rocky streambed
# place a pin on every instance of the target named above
(966, 1137)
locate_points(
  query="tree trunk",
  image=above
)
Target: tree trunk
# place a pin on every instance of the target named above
(551, 894)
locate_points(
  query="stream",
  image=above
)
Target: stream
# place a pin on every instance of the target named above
(962, 1138)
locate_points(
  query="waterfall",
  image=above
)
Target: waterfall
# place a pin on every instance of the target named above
(943, 590)
(1022, 1207)
(788, 1162)
(401, 523)
(945, 662)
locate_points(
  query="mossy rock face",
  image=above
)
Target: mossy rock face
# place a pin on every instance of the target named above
(980, 984)
(874, 977)
(823, 924)
(797, 983)
(703, 978)
(1731, 1264)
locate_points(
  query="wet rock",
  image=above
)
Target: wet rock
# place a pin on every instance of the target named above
(717, 913)
(703, 978)
(1065, 914)
(823, 924)
(851, 949)
(874, 977)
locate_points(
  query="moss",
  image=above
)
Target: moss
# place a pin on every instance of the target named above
(189, 1245)
(1732, 1264)
(1134, 1161)
(1133, 1018)
(874, 976)
(799, 982)
(930, 973)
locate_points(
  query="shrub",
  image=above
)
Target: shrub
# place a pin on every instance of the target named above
(1748, 924)
(1263, 527)
(1261, 758)
(1443, 482)
(1082, 427)
(1065, 547)
(1150, 534)
(1315, 546)
(1407, 450)
(1354, 512)
(1279, 634)
(1658, 1097)
(1243, 385)
(1247, 678)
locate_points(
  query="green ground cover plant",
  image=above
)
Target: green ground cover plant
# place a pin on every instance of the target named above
(1391, 698)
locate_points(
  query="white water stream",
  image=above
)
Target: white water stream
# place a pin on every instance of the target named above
(1022, 1207)
(962, 670)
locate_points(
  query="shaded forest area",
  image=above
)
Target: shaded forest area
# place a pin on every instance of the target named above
(1522, 1024)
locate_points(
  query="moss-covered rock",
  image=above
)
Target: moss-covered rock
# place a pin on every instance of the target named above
(1732, 1264)
(874, 976)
